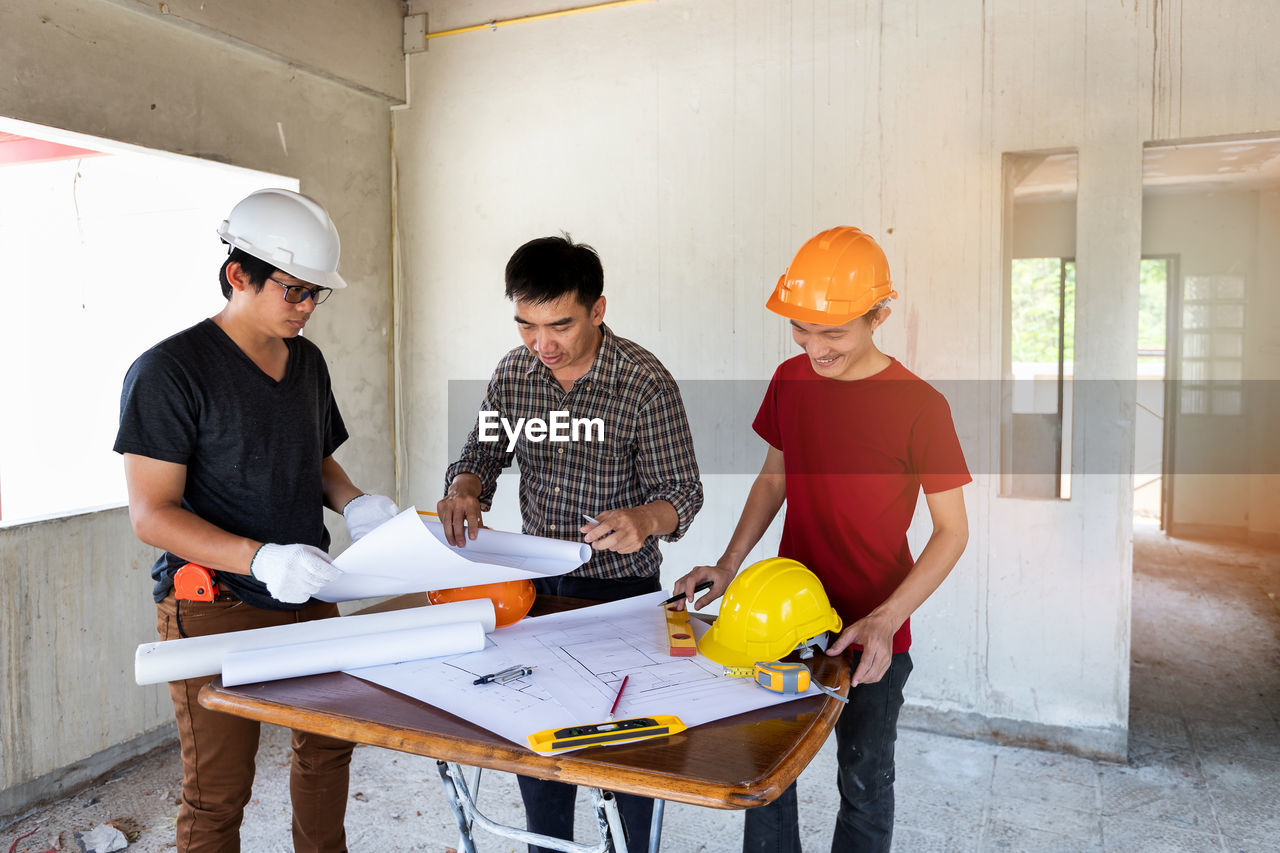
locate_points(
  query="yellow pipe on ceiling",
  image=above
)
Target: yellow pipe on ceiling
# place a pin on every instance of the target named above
(542, 16)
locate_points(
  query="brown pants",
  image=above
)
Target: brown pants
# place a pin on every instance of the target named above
(218, 749)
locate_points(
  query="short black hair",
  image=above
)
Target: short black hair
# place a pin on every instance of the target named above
(547, 268)
(257, 269)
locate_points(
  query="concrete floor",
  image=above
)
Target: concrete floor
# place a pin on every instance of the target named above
(1203, 773)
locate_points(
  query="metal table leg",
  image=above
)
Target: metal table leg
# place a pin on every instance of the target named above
(611, 829)
(655, 826)
(474, 786)
(465, 842)
(462, 803)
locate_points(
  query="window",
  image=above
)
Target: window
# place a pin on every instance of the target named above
(108, 248)
(1212, 358)
(1040, 277)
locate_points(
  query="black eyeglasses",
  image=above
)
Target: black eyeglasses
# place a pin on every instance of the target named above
(295, 293)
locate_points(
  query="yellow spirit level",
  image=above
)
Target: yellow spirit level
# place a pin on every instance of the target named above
(680, 642)
(605, 734)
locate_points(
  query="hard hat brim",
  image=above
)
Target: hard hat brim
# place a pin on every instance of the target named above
(812, 315)
(323, 278)
(722, 654)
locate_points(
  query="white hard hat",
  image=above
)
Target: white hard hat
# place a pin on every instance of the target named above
(289, 231)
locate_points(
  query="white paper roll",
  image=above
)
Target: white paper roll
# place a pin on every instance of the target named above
(410, 553)
(174, 660)
(433, 641)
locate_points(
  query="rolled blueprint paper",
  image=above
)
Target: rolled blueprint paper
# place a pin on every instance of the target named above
(410, 554)
(192, 657)
(433, 641)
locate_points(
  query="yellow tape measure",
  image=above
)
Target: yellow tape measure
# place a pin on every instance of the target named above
(781, 677)
(774, 675)
(605, 734)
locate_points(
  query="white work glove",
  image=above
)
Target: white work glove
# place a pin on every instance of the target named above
(293, 573)
(366, 512)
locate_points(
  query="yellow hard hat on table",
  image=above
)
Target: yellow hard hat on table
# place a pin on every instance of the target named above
(769, 609)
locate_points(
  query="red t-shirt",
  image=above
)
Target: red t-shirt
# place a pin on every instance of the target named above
(857, 454)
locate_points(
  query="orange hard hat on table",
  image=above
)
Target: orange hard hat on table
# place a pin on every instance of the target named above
(511, 599)
(838, 275)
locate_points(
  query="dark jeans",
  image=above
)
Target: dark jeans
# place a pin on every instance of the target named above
(548, 806)
(865, 734)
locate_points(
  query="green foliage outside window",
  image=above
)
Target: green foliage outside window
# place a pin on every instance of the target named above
(1036, 285)
(1037, 288)
(1153, 279)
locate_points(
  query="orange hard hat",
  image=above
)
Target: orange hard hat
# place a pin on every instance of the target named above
(836, 276)
(511, 599)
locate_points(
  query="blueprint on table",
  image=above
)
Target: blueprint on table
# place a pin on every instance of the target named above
(410, 553)
(581, 656)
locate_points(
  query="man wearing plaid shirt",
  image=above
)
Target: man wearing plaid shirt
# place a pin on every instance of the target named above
(622, 454)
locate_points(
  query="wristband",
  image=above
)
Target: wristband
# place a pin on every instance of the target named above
(254, 557)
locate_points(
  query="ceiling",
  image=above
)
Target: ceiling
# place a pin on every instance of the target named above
(1227, 165)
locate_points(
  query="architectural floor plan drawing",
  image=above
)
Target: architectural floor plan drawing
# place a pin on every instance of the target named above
(449, 683)
(580, 659)
(587, 658)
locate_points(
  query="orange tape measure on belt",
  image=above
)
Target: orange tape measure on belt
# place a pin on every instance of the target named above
(194, 582)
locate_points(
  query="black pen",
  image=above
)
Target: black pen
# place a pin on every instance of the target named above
(513, 674)
(505, 674)
(673, 599)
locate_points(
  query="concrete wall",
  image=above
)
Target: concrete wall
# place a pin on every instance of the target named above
(1262, 346)
(355, 44)
(77, 593)
(697, 143)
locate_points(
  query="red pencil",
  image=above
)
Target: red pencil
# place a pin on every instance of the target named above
(618, 698)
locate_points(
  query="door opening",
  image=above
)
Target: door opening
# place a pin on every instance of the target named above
(1155, 275)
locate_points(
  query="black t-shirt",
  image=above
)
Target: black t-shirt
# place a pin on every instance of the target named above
(252, 446)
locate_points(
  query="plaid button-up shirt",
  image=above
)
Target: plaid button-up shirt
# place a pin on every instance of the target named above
(645, 453)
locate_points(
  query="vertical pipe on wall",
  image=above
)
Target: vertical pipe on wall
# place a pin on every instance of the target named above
(395, 349)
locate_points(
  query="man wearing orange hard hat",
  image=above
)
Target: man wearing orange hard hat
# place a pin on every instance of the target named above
(853, 437)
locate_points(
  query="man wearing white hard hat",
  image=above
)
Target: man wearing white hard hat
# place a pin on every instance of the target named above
(228, 431)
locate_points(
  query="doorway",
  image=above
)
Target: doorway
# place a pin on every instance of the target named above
(1157, 282)
(1208, 288)
(1204, 470)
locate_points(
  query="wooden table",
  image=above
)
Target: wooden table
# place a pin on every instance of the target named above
(735, 763)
